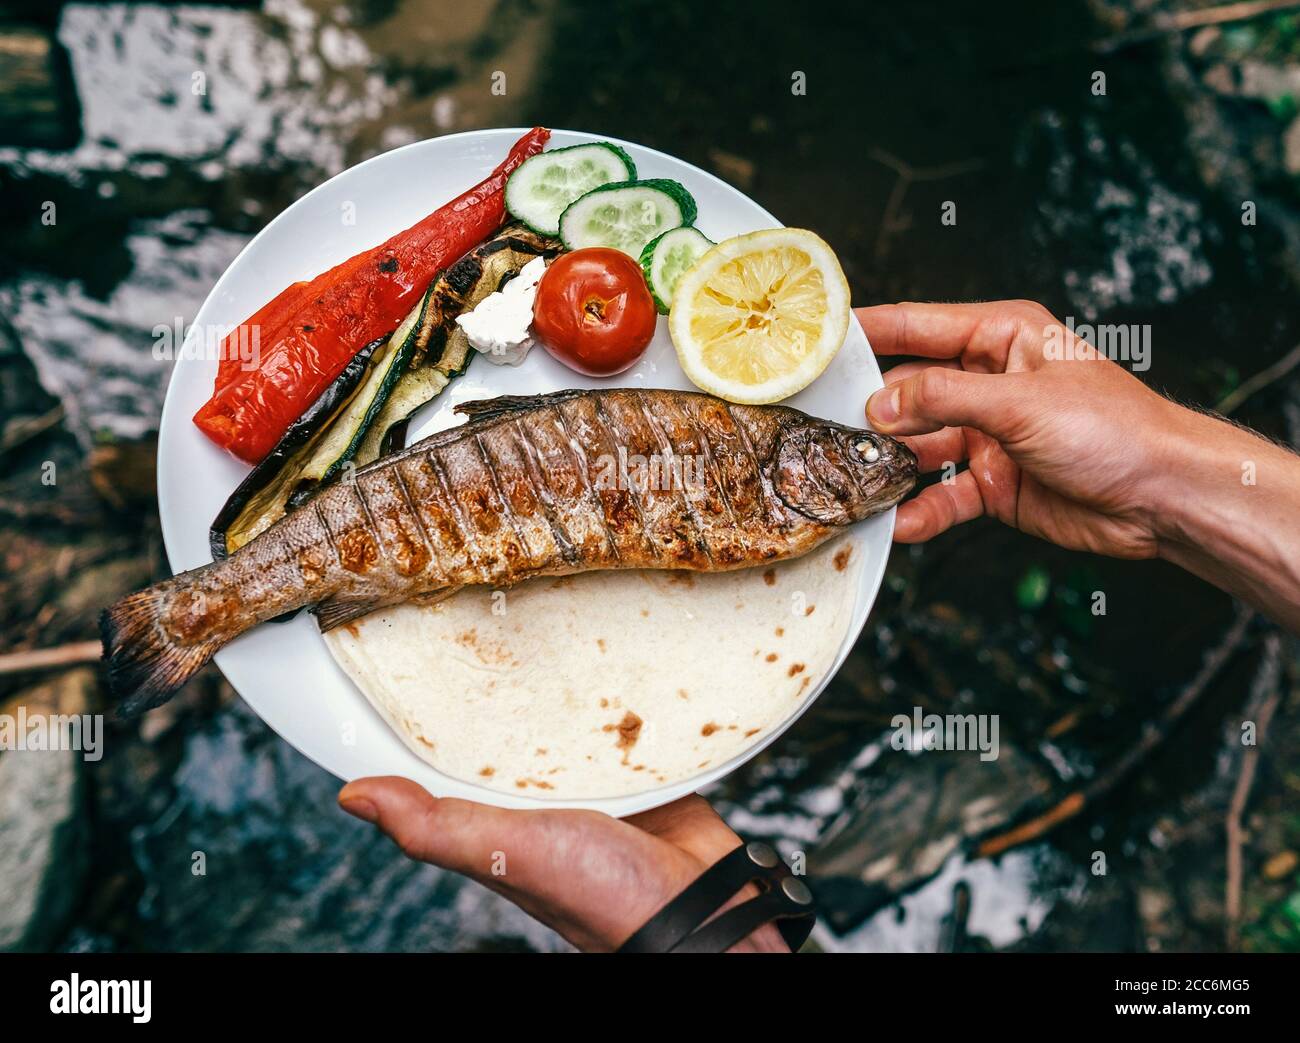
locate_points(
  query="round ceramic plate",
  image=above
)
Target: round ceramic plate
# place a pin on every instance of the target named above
(283, 671)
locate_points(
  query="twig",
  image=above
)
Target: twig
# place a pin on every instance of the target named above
(49, 658)
(1160, 26)
(1072, 804)
(1266, 694)
(907, 176)
(1182, 21)
(1259, 381)
(24, 430)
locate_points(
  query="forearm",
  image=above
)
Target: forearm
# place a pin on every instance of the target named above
(1228, 510)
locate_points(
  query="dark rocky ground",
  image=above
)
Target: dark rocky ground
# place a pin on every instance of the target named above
(1122, 207)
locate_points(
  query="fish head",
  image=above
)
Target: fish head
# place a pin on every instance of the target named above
(840, 475)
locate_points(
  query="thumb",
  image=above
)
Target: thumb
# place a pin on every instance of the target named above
(456, 834)
(938, 397)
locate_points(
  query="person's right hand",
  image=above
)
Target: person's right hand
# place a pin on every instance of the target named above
(1069, 446)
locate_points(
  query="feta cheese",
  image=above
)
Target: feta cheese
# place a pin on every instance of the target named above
(498, 327)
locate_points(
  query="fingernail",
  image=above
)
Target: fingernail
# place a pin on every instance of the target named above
(360, 807)
(884, 406)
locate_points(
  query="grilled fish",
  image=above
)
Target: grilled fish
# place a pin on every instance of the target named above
(544, 485)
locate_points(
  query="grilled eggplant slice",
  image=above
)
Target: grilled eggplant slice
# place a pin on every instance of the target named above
(348, 433)
(260, 499)
(442, 348)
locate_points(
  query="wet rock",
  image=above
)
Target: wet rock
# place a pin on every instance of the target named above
(246, 850)
(52, 591)
(125, 473)
(88, 592)
(902, 835)
(1259, 80)
(43, 835)
(38, 106)
(1140, 242)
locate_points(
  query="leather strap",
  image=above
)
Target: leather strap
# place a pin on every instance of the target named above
(784, 898)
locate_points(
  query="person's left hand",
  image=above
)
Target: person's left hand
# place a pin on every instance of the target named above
(592, 878)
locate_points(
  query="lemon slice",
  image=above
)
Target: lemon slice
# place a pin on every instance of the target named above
(758, 317)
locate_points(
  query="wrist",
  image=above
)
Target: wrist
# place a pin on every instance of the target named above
(1225, 510)
(766, 938)
(1201, 470)
(734, 905)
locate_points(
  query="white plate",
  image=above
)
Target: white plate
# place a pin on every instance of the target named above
(283, 671)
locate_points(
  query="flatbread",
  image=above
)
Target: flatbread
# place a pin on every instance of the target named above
(605, 683)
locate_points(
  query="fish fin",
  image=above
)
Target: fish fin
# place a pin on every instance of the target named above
(432, 597)
(338, 610)
(335, 611)
(144, 666)
(490, 408)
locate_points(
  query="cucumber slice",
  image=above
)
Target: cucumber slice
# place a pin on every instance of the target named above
(626, 215)
(545, 184)
(665, 260)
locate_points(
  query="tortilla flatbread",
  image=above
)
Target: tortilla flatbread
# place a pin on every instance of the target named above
(604, 683)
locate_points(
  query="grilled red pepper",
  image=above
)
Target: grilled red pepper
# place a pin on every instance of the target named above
(349, 306)
(235, 354)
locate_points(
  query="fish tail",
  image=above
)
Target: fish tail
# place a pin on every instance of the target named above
(145, 666)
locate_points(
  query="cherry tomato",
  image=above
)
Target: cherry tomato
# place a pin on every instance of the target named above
(593, 311)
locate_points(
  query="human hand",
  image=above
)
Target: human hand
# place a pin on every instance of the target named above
(593, 878)
(1074, 451)
(1068, 446)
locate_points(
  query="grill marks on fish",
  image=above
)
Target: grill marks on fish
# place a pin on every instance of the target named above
(711, 506)
(576, 508)
(740, 475)
(591, 441)
(523, 493)
(351, 530)
(452, 521)
(395, 521)
(525, 453)
(528, 487)
(665, 519)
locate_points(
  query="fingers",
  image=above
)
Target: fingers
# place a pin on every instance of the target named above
(938, 449)
(932, 450)
(935, 331)
(456, 834)
(910, 369)
(938, 508)
(981, 335)
(587, 875)
(938, 397)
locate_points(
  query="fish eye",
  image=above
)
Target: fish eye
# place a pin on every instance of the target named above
(868, 450)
